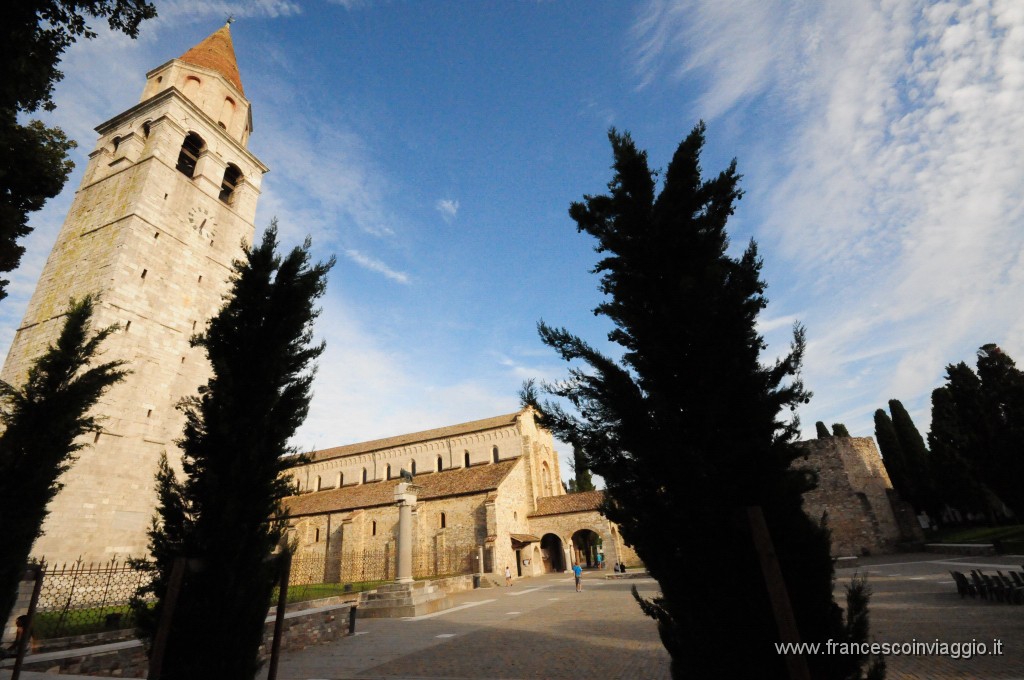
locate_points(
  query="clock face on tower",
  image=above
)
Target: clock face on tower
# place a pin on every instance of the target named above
(201, 220)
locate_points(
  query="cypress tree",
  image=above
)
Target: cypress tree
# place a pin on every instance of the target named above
(226, 513)
(839, 430)
(892, 455)
(915, 457)
(43, 424)
(956, 481)
(822, 429)
(583, 480)
(660, 425)
(1002, 385)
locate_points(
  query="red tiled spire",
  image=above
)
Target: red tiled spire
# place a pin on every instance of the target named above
(218, 54)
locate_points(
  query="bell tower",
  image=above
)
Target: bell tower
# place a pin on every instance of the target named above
(168, 196)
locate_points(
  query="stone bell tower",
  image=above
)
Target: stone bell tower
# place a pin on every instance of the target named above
(168, 196)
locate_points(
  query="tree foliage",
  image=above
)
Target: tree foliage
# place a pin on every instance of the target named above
(839, 430)
(33, 158)
(582, 480)
(43, 421)
(822, 430)
(978, 431)
(660, 424)
(916, 459)
(226, 513)
(892, 454)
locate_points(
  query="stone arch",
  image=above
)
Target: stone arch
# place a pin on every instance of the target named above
(341, 479)
(545, 475)
(440, 463)
(227, 112)
(231, 181)
(188, 157)
(585, 545)
(191, 87)
(552, 553)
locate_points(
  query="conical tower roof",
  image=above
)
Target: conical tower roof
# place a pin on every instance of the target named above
(217, 53)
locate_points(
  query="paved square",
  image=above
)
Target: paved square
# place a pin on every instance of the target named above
(915, 599)
(553, 632)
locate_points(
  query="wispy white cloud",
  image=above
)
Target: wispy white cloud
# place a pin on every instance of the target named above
(358, 373)
(173, 10)
(376, 265)
(350, 4)
(448, 208)
(895, 196)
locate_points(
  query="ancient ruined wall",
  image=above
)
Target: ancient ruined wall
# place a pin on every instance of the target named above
(853, 490)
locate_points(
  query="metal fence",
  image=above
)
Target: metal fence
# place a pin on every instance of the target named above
(451, 560)
(318, 574)
(80, 598)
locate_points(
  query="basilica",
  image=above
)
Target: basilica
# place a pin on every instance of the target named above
(488, 489)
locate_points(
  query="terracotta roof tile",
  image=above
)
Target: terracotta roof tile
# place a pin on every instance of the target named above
(217, 53)
(570, 502)
(415, 437)
(457, 482)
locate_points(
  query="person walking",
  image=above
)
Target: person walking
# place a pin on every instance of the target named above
(577, 571)
(508, 576)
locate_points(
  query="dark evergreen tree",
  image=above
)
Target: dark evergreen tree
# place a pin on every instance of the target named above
(583, 480)
(33, 158)
(839, 430)
(661, 426)
(955, 479)
(1002, 465)
(916, 460)
(822, 430)
(226, 513)
(892, 455)
(43, 422)
(978, 433)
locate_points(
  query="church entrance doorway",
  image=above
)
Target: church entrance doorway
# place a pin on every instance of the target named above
(586, 544)
(551, 554)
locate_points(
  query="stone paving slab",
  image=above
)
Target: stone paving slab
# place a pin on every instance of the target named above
(915, 598)
(539, 628)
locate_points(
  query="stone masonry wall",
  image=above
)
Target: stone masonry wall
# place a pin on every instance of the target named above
(301, 629)
(853, 492)
(157, 246)
(352, 538)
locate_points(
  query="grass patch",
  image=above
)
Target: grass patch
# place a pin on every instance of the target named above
(1013, 533)
(317, 591)
(55, 624)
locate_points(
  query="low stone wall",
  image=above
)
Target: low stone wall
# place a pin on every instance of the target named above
(454, 584)
(961, 548)
(128, 659)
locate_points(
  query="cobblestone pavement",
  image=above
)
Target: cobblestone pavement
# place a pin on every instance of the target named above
(915, 599)
(538, 628)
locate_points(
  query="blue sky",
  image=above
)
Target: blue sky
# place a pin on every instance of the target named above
(435, 148)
